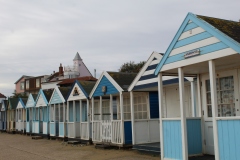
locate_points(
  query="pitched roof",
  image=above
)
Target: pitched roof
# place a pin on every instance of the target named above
(24, 100)
(123, 79)
(48, 94)
(87, 85)
(13, 102)
(230, 28)
(23, 76)
(72, 80)
(34, 96)
(5, 102)
(77, 57)
(2, 96)
(64, 91)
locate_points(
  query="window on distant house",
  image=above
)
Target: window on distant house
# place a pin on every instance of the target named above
(37, 83)
(22, 86)
(27, 84)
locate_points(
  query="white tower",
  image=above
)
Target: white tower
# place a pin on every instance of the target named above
(80, 66)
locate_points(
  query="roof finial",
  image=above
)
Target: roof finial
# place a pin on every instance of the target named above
(77, 57)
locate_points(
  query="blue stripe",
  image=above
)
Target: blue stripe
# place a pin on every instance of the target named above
(151, 67)
(150, 76)
(190, 26)
(193, 39)
(155, 84)
(203, 50)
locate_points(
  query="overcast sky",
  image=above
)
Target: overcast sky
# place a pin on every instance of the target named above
(37, 35)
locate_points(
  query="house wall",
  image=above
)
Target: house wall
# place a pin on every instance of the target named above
(18, 86)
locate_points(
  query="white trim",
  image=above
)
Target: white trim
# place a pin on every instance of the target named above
(77, 97)
(194, 31)
(228, 118)
(146, 81)
(122, 116)
(132, 117)
(195, 45)
(59, 93)
(183, 116)
(114, 83)
(193, 99)
(142, 71)
(149, 72)
(160, 97)
(19, 105)
(213, 89)
(198, 59)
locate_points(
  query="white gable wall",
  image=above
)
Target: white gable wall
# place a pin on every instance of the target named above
(80, 96)
(40, 101)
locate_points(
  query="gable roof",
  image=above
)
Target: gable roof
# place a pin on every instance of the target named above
(119, 80)
(23, 76)
(41, 94)
(23, 102)
(2, 96)
(65, 92)
(149, 66)
(12, 103)
(87, 86)
(77, 57)
(230, 28)
(72, 80)
(123, 79)
(221, 29)
(48, 94)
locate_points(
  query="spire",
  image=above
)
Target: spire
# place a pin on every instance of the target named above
(77, 57)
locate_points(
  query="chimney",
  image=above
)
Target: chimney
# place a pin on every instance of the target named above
(60, 70)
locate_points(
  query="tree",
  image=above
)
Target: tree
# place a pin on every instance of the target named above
(131, 67)
(19, 95)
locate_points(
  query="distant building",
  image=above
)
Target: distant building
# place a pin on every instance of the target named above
(20, 84)
(2, 97)
(33, 84)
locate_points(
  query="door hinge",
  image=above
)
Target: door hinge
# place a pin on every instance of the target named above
(204, 141)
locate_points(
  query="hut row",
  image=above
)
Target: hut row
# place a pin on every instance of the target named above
(182, 103)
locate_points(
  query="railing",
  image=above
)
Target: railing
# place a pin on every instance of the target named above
(84, 130)
(106, 130)
(147, 131)
(116, 132)
(96, 133)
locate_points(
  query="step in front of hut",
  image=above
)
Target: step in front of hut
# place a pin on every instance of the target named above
(149, 148)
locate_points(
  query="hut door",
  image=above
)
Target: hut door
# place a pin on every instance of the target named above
(226, 84)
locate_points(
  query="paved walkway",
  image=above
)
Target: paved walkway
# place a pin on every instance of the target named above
(22, 147)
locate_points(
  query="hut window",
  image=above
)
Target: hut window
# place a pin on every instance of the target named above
(225, 97)
(27, 84)
(22, 86)
(106, 110)
(37, 83)
(140, 106)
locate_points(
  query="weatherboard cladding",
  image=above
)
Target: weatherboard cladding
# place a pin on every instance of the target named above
(30, 101)
(105, 82)
(73, 96)
(209, 35)
(41, 100)
(56, 98)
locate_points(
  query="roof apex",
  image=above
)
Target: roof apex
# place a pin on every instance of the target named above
(77, 57)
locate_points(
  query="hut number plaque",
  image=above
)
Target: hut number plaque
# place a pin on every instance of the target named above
(192, 53)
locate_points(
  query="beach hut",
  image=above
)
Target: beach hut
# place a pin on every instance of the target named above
(111, 115)
(11, 114)
(41, 113)
(145, 105)
(208, 49)
(58, 107)
(79, 111)
(3, 120)
(21, 115)
(31, 102)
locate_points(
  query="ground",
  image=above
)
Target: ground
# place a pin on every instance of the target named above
(22, 147)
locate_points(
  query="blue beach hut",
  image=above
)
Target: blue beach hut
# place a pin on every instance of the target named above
(111, 115)
(31, 102)
(21, 115)
(58, 107)
(208, 49)
(41, 113)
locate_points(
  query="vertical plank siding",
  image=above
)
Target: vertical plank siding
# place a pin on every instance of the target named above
(194, 136)
(128, 132)
(229, 139)
(110, 88)
(172, 140)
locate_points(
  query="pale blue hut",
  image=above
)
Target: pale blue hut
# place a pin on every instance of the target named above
(208, 49)
(21, 115)
(41, 113)
(58, 111)
(31, 102)
(3, 118)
